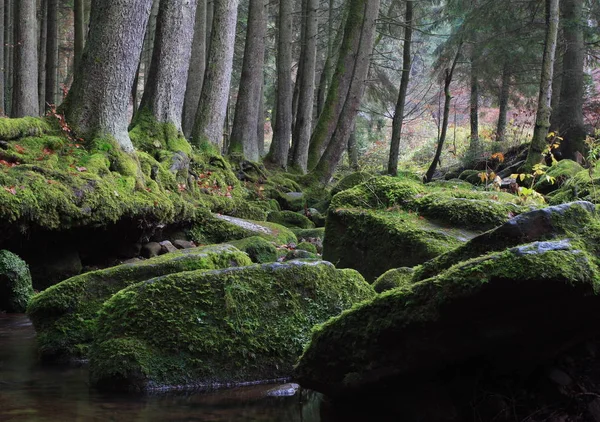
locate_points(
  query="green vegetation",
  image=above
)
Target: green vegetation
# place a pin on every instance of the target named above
(260, 250)
(15, 283)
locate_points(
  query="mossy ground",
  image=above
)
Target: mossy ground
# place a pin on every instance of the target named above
(290, 219)
(260, 250)
(15, 283)
(208, 327)
(64, 315)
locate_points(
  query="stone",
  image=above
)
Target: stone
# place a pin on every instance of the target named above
(184, 244)
(290, 219)
(167, 247)
(260, 250)
(151, 249)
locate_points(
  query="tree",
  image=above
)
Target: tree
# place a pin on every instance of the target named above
(25, 94)
(503, 99)
(196, 71)
(244, 136)
(51, 52)
(2, 62)
(544, 109)
(282, 135)
(399, 112)
(306, 98)
(165, 87)
(210, 118)
(99, 97)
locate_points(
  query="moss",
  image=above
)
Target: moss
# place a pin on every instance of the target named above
(318, 233)
(153, 137)
(487, 308)
(393, 279)
(23, 127)
(267, 205)
(290, 219)
(471, 176)
(379, 192)
(211, 228)
(350, 181)
(260, 250)
(15, 283)
(201, 328)
(235, 207)
(64, 315)
(373, 242)
(561, 172)
(584, 185)
(301, 255)
(309, 247)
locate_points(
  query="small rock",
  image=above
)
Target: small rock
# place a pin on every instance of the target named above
(285, 390)
(150, 250)
(167, 247)
(184, 244)
(560, 377)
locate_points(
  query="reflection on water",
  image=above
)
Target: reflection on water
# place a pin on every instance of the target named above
(31, 392)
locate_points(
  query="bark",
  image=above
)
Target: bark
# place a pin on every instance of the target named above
(474, 146)
(244, 139)
(165, 87)
(444, 130)
(52, 53)
(326, 74)
(8, 54)
(544, 110)
(2, 63)
(360, 25)
(196, 70)
(399, 112)
(43, 30)
(282, 135)
(556, 88)
(570, 120)
(340, 83)
(306, 98)
(210, 13)
(353, 151)
(260, 127)
(79, 32)
(210, 118)
(25, 94)
(503, 103)
(98, 101)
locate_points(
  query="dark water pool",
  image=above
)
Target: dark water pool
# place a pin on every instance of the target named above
(32, 392)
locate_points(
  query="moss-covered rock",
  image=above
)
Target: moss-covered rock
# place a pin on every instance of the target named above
(306, 246)
(584, 185)
(260, 250)
(373, 242)
(213, 228)
(379, 192)
(15, 283)
(393, 279)
(304, 234)
(64, 315)
(350, 181)
(471, 176)
(201, 329)
(508, 310)
(290, 219)
(560, 172)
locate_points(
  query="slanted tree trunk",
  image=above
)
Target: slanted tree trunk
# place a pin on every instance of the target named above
(340, 83)
(210, 118)
(52, 52)
(282, 135)
(570, 122)
(260, 127)
(244, 134)
(399, 113)
(196, 71)
(544, 110)
(165, 87)
(503, 103)
(306, 98)
(327, 66)
(99, 97)
(359, 32)
(25, 94)
(444, 130)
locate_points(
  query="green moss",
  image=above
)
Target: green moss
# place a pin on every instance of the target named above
(560, 172)
(24, 127)
(379, 192)
(15, 283)
(290, 219)
(471, 176)
(155, 138)
(64, 315)
(211, 228)
(318, 233)
(260, 250)
(393, 279)
(200, 328)
(350, 181)
(309, 247)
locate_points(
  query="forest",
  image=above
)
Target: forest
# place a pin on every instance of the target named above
(300, 211)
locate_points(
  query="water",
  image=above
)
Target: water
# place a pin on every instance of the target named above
(36, 393)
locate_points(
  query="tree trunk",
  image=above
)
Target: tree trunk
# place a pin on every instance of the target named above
(340, 83)
(244, 135)
(570, 115)
(399, 113)
(98, 102)
(8, 54)
(2, 62)
(306, 98)
(260, 127)
(474, 147)
(556, 88)
(503, 103)
(43, 31)
(165, 87)
(326, 74)
(52, 52)
(282, 136)
(196, 71)
(359, 32)
(353, 151)
(79, 32)
(210, 14)
(444, 131)
(25, 95)
(210, 118)
(542, 121)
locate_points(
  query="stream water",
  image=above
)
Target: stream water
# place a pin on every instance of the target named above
(32, 392)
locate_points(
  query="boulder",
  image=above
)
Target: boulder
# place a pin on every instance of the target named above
(64, 315)
(260, 250)
(290, 219)
(183, 244)
(350, 181)
(393, 279)
(560, 172)
(204, 329)
(307, 246)
(151, 250)
(15, 283)
(167, 247)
